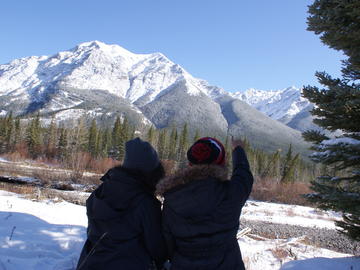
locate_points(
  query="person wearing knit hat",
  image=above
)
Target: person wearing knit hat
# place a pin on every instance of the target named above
(201, 207)
(124, 228)
(207, 150)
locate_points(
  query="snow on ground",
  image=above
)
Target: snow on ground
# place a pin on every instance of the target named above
(3, 160)
(49, 235)
(289, 214)
(40, 235)
(292, 254)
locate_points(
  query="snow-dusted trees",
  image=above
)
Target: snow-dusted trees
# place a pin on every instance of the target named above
(337, 107)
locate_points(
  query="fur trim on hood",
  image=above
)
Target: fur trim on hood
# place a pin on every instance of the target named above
(190, 174)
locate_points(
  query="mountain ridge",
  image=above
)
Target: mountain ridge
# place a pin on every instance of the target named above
(108, 79)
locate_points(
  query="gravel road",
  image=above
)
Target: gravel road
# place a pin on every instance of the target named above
(324, 238)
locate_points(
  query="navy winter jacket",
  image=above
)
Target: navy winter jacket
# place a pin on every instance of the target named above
(124, 226)
(201, 214)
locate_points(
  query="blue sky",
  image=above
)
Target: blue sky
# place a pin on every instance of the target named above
(234, 44)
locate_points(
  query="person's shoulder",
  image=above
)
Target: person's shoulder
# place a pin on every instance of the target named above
(191, 175)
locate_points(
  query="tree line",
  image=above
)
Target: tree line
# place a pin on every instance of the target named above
(55, 141)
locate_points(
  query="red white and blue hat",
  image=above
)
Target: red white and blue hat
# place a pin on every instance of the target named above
(206, 150)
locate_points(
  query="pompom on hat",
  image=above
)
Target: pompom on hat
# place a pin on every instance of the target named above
(206, 150)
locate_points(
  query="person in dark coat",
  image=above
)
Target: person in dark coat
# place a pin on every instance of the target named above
(124, 216)
(201, 208)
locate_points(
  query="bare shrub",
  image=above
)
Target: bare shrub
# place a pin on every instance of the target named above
(280, 253)
(275, 191)
(20, 153)
(78, 162)
(102, 165)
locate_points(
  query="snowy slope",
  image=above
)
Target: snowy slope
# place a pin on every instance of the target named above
(49, 235)
(139, 78)
(94, 65)
(282, 105)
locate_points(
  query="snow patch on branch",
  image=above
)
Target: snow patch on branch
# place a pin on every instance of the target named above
(343, 140)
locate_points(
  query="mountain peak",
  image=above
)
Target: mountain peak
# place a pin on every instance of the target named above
(112, 50)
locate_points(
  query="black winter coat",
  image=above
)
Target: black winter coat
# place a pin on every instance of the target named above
(201, 214)
(124, 226)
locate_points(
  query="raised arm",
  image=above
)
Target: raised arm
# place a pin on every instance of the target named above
(242, 178)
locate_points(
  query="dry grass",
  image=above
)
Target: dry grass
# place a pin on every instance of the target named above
(274, 191)
(39, 193)
(16, 188)
(102, 165)
(280, 253)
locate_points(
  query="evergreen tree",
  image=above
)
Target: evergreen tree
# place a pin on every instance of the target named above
(99, 143)
(116, 139)
(124, 137)
(290, 166)
(161, 144)
(274, 165)
(106, 143)
(62, 146)
(150, 136)
(9, 130)
(93, 139)
(172, 143)
(2, 134)
(183, 143)
(260, 160)
(33, 137)
(337, 107)
(289, 173)
(6, 133)
(17, 131)
(51, 138)
(287, 164)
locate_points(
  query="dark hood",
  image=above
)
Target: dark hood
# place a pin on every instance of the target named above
(116, 194)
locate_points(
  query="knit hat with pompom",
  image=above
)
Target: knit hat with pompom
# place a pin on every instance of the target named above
(206, 150)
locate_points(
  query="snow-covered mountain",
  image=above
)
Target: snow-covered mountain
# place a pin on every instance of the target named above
(104, 81)
(282, 105)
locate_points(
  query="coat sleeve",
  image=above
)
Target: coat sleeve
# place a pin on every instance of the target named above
(169, 238)
(153, 238)
(242, 178)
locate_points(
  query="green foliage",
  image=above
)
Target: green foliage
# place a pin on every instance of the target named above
(161, 144)
(106, 143)
(33, 137)
(62, 145)
(338, 24)
(172, 143)
(183, 143)
(118, 140)
(150, 137)
(338, 108)
(93, 139)
(51, 139)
